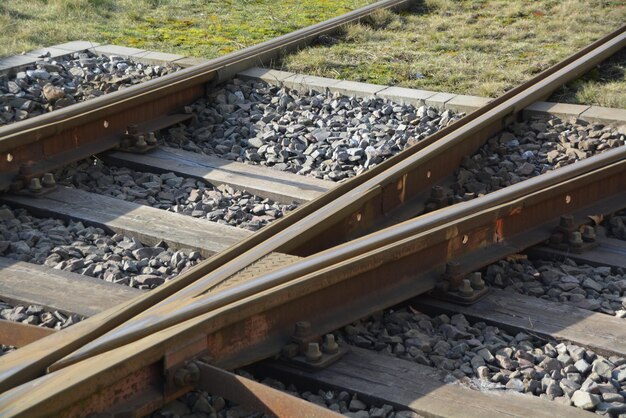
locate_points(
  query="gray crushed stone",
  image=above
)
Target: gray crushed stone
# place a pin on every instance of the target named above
(327, 136)
(173, 193)
(601, 289)
(88, 250)
(199, 404)
(485, 357)
(52, 84)
(37, 315)
(528, 149)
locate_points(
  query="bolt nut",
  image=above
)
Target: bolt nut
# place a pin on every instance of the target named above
(476, 280)
(141, 142)
(48, 180)
(187, 376)
(35, 185)
(466, 288)
(313, 353)
(330, 346)
(303, 329)
(589, 233)
(151, 138)
(577, 239)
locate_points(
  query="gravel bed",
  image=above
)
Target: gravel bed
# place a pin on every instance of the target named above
(528, 149)
(37, 315)
(199, 404)
(601, 289)
(176, 194)
(52, 84)
(88, 250)
(331, 137)
(487, 358)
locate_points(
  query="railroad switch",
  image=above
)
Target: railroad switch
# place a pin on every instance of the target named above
(137, 142)
(568, 237)
(459, 288)
(307, 351)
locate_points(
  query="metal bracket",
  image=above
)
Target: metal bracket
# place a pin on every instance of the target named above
(567, 237)
(137, 142)
(36, 186)
(458, 288)
(305, 351)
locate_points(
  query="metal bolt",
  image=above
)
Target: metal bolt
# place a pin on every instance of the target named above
(151, 138)
(35, 185)
(476, 280)
(466, 288)
(48, 180)
(313, 353)
(141, 142)
(566, 221)
(303, 329)
(589, 233)
(330, 346)
(187, 376)
(577, 239)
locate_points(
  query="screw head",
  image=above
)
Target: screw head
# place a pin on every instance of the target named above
(313, 353)
(330, 346)
(466, 288)
(35, 185)
(48, 180)
(476, 280)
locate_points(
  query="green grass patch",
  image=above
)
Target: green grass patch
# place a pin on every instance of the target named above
(202, 28)
(475, 47)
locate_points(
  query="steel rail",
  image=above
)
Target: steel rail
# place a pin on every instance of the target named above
(365, 202)
(76, 132)
(252, 321)
(32, 360)
(186, 308)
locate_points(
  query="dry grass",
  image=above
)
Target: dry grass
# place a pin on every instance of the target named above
(476, 47)
(204, 28)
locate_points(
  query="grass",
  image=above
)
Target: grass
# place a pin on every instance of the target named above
(203, 28)
(475, 47)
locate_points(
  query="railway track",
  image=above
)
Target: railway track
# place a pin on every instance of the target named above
(406, 226)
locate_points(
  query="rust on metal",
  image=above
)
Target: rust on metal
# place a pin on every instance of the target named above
(257, 397)
(17, 334)
(428, 237)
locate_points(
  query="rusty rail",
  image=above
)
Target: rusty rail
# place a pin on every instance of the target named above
(252, 321)
(358, 209)
(351, 199)
(32, 146)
